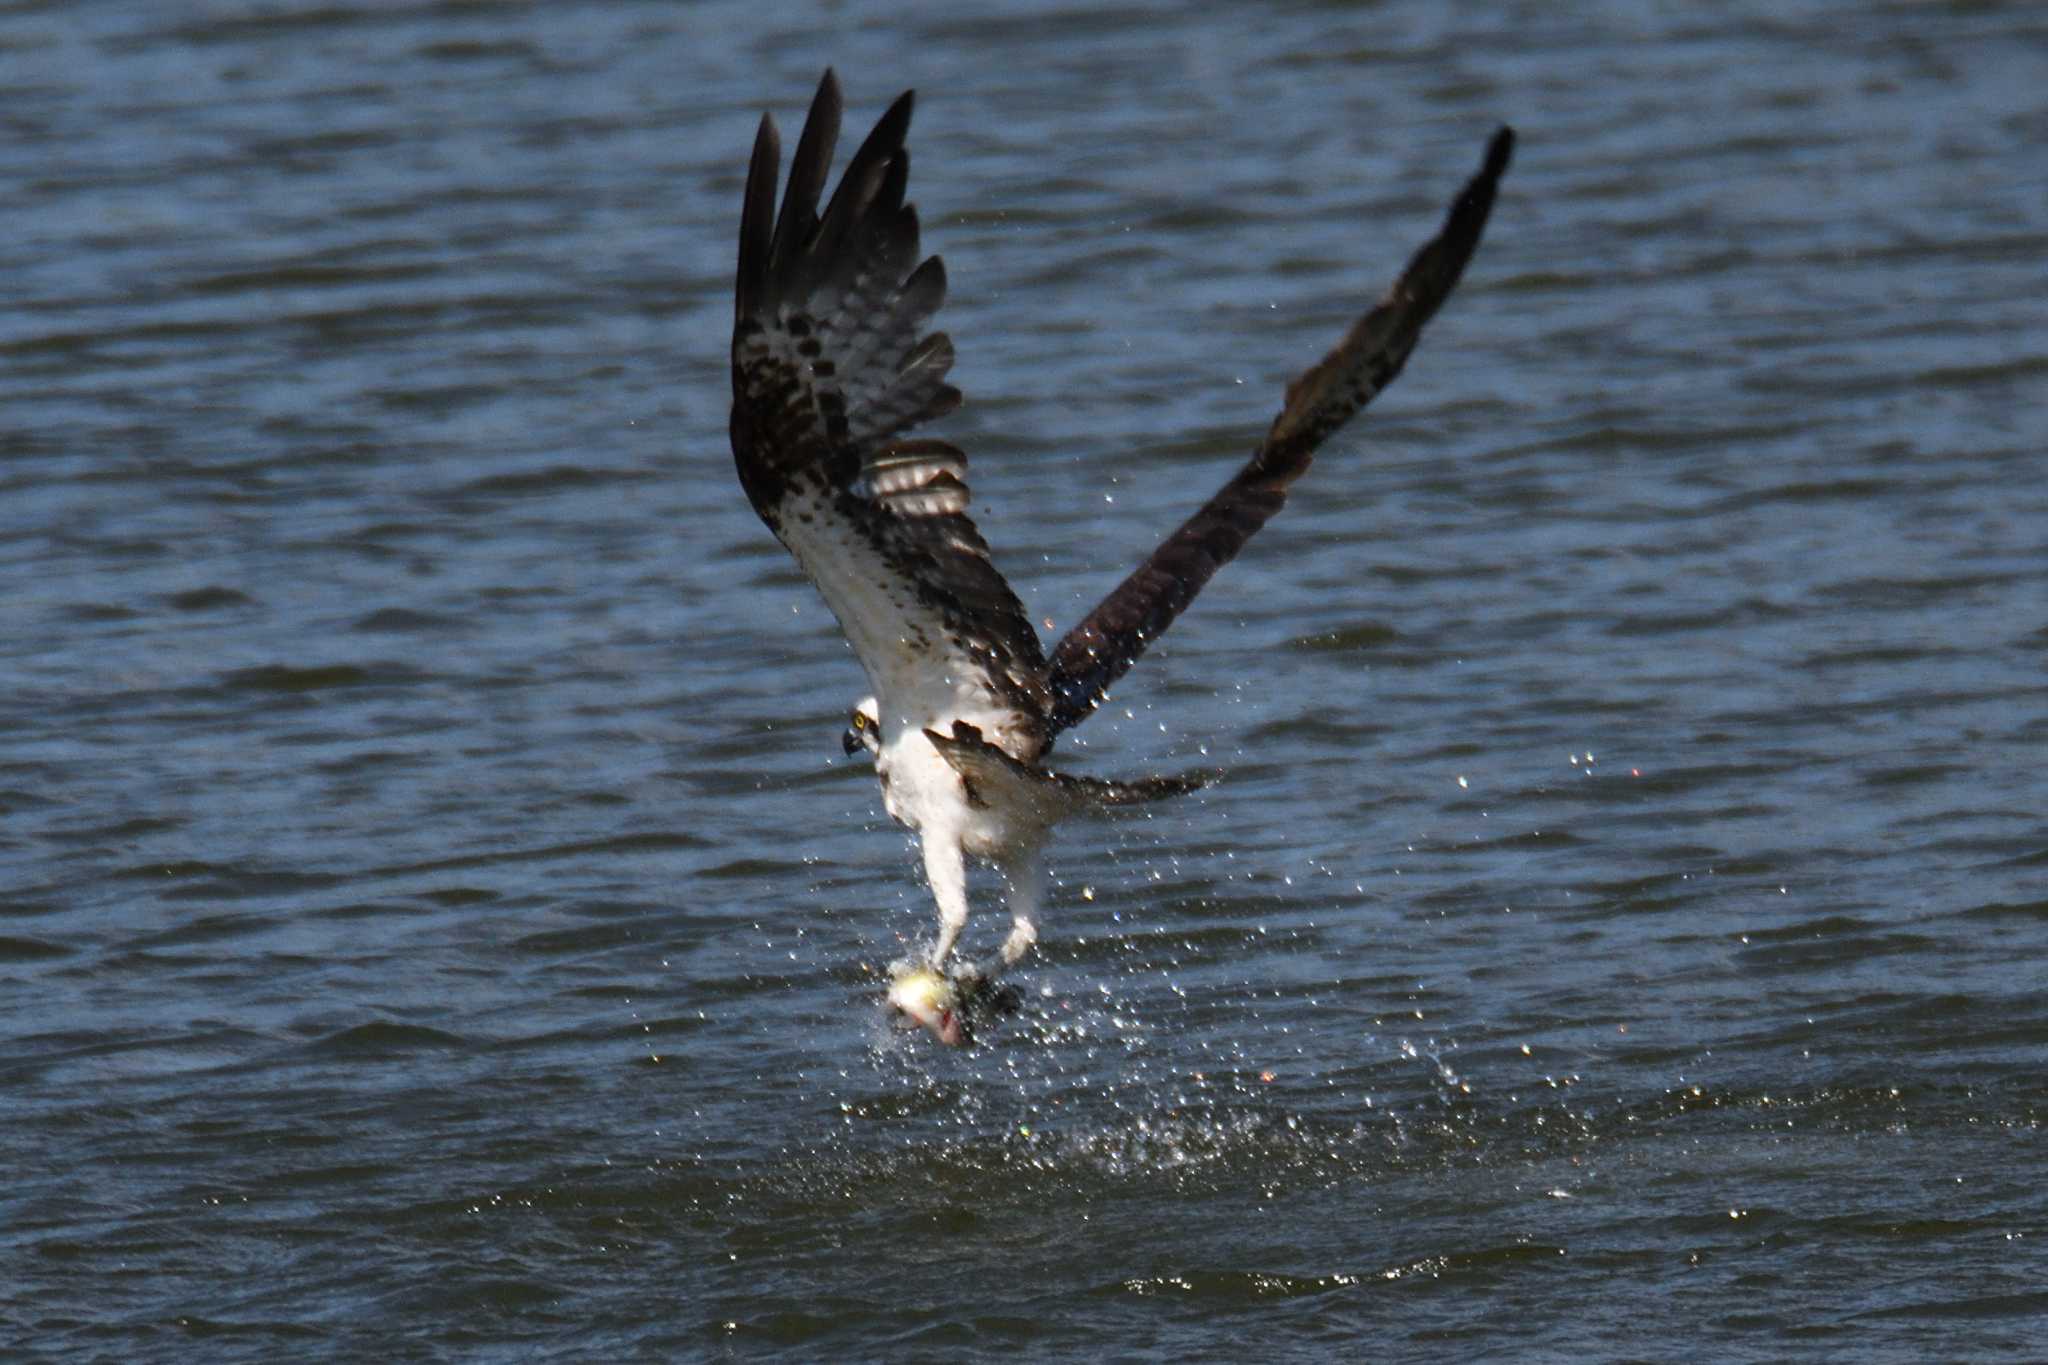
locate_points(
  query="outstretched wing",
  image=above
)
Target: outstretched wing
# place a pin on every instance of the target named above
(828, 370)
(1110, 638)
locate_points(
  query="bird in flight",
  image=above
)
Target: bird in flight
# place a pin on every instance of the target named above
(832, 366)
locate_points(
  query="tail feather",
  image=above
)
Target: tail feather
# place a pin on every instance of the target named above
(1107, 793)
(991, 775)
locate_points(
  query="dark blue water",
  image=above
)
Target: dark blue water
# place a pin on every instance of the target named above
(436, 921)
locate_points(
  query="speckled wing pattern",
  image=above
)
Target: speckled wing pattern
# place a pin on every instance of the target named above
(831, 364)
(1098, 651)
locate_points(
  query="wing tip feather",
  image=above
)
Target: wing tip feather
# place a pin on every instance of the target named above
(1500, 150)
(757, 217)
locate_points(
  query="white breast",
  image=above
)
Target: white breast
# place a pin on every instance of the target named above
(922, 790)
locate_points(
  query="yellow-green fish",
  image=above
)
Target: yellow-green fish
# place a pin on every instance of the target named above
(933, 1001)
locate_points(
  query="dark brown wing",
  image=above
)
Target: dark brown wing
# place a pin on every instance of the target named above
(1110, 638)
(830, 365)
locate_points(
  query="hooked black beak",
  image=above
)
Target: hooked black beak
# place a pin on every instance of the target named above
(850, 741)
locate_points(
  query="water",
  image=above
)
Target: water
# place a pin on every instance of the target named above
(439, 923)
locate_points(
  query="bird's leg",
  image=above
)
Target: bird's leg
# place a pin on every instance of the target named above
(946, 869)
(1024, 883)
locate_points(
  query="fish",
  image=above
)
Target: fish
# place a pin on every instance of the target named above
(950, 1008)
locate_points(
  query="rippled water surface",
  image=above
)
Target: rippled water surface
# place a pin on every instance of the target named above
(436, 921)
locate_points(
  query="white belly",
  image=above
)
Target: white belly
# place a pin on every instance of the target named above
(923, 792)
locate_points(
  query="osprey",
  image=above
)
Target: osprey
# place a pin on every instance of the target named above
(831, 367)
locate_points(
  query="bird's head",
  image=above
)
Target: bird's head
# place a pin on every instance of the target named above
(863, 729)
